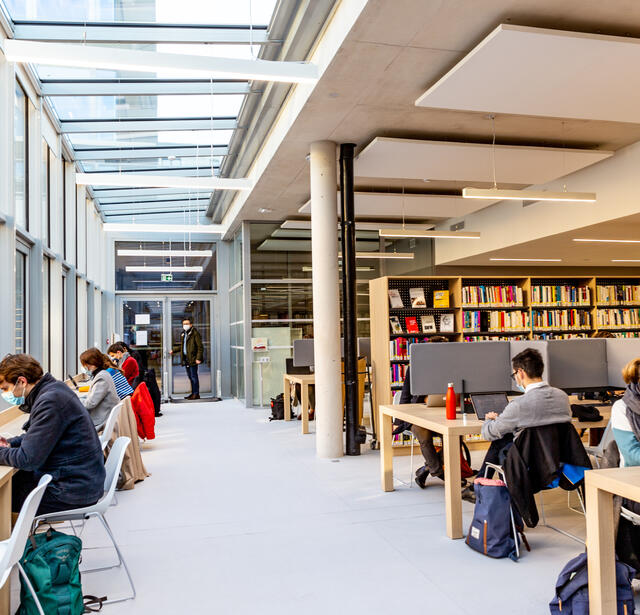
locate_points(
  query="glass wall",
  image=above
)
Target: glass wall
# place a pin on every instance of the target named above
(45, 192)
(21, 301)
(236, 317)
(46, 314)
(20, 157)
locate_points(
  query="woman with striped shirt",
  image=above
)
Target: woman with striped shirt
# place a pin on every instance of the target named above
(123, 388)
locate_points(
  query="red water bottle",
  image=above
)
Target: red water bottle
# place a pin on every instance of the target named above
(451, 402)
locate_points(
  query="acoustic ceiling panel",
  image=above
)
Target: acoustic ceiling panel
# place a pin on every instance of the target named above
(470, 162)
(553, 73)
(415, 206)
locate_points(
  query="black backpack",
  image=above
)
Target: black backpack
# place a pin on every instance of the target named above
(152, 384)
(277, 408)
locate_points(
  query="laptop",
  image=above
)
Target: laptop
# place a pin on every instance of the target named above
(491, 402)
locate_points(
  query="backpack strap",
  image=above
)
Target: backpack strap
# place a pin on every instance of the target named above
(92, 604)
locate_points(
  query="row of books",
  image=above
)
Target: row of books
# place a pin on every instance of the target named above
(492, 296)
(427, 324)
(561, 319)
(399, 347)
(494, 338)
(417, 298)
(618, 318)
(618, 294)
(627, 334)
(473, 322)
(398, 371)
(560, 295)
(559, 336)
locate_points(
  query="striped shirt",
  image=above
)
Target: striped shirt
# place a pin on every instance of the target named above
(123, 388)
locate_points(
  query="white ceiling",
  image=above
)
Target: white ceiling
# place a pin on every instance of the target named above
(541, 72)
(415, 206)
(470, 162)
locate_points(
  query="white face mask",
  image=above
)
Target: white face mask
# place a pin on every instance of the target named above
(186, 327)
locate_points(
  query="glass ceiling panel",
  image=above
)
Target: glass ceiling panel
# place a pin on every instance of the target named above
(112, 107)
(170, 138)
(222, 12)
(203, 162)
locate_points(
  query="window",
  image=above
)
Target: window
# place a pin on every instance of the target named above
(20, 157)
(45, 193)
(21, 301)
(64, 321)
(46, 313)
(63, 167)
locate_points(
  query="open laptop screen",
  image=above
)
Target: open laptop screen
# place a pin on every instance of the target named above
(493, 402)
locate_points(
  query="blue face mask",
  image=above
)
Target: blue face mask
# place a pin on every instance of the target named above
(521, 388)
(12, 399)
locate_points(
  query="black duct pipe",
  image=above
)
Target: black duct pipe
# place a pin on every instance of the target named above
(348, 240)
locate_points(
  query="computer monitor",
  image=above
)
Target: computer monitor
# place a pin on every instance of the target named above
(619, 352)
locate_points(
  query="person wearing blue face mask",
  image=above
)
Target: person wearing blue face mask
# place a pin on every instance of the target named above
(541, 404)
(59, 439)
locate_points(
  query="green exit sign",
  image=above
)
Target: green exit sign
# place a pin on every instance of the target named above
(166, 277)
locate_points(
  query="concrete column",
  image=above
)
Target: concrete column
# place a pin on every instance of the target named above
(326, 300)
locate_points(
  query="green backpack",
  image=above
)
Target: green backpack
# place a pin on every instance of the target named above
(51, 560)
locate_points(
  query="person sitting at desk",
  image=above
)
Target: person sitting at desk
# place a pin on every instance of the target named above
(119, 354)
(60, 439)
(102, 395)
(123, 388)
(541, 404)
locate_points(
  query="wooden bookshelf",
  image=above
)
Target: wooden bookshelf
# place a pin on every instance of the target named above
(574, 298)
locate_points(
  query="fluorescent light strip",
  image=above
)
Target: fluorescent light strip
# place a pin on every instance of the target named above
(163, 253)
(310, 269)
(110, 58)
(528, 195)
(625, 260)
(384, 255)
(166, 269)
(360, 226)
(402, 233)
(609, 240)
(541, 260)
(162, 181)
(116, 227)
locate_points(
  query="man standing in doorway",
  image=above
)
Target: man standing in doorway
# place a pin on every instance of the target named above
(192, 354)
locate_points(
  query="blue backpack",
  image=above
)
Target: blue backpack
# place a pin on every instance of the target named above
(572, 589)
(491, 531)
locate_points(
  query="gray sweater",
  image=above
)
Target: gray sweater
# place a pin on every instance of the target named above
(102, 398)
(540, 405)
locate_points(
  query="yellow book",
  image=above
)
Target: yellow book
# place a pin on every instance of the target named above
(440, 298)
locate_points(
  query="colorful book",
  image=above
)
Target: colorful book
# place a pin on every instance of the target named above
(412, 324)
(395, 324)
(429, 324)
(395, 299)
(447, 323)
(441, 298)
(417, 298)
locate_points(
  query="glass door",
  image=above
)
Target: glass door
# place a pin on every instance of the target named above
(199, 311)
(143, 330)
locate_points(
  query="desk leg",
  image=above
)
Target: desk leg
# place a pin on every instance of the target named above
(600, 552)
(5, 532)
(452, 491)
(305, 408)
(287, 399)
(386, 451)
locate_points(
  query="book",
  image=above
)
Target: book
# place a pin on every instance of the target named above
(428, 324)
(441, 298)
(395, 324)
(412, 324)
(417, 298)
(446, 322)
(395, 299)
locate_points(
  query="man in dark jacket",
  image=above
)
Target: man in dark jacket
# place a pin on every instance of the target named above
(192, 354)
(60, 439)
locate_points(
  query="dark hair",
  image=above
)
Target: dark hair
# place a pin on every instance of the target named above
(187, 318)
(94, 356)
(606, 334)
(530, 361)
(117, 347)
(15, 365)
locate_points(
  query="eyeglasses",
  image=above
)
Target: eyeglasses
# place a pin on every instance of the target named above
(513, 376)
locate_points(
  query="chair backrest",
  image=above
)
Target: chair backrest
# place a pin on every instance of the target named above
(112, 471)
(396, 398)
(607, 438)
(110, 425)
(22, 528)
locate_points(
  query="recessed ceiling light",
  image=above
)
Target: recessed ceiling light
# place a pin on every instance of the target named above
(426, 181)
(543, 260)
(609, 240)
(496, 194)
(625, 260)
(265, 210)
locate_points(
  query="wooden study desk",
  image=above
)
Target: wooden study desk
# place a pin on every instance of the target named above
(601, 486)
(304, 380)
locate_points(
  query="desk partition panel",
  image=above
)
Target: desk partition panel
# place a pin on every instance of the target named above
(619, 352)
(303, 351)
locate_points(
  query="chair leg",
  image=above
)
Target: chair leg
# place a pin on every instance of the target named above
(102, 568)
(411, 467)
(124, 564)
(23, 574)
(556, 529)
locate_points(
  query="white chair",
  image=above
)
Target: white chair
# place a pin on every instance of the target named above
(11, 550)
(110, 425)
(112, 468)
(598, 451)
(396, 401)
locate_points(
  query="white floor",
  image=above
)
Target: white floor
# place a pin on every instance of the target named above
(240, 518)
